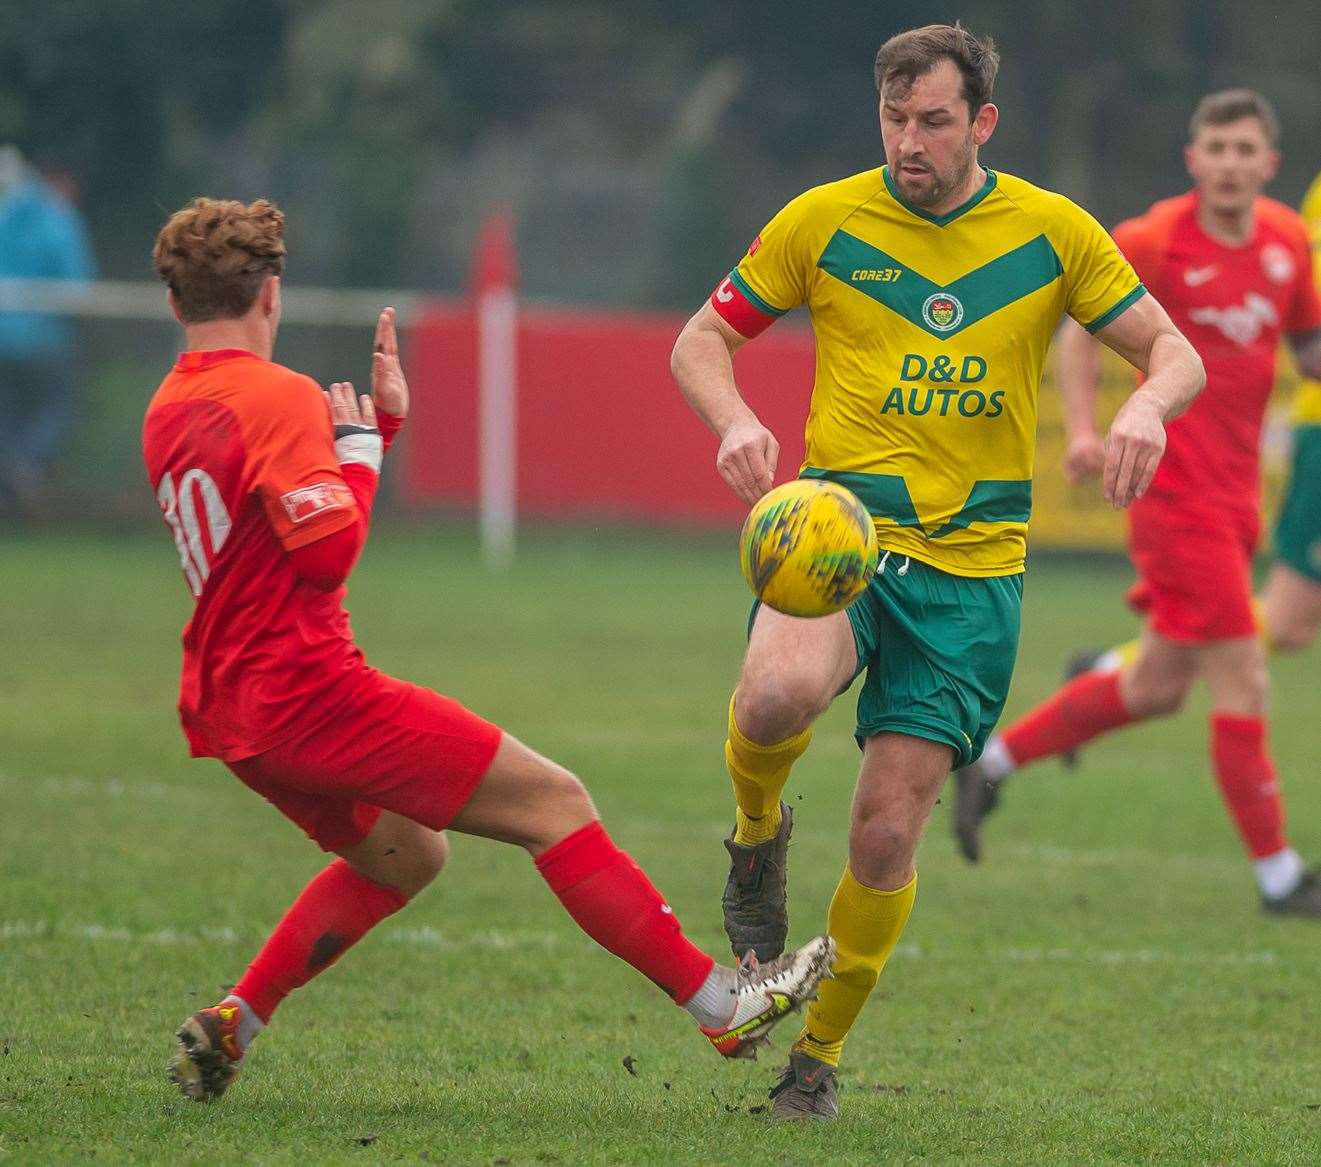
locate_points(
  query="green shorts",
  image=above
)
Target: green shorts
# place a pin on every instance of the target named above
(938, 651)
(1298, 529)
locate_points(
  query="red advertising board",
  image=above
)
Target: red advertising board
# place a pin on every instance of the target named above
(603, 431)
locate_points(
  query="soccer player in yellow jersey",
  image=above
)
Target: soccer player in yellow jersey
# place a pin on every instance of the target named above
(934, 286)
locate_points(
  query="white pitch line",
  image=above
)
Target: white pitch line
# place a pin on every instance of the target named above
(111, 786)
(492, 940)
(1133, 956)
(489, 939)
(1123, 857)
(108, 787)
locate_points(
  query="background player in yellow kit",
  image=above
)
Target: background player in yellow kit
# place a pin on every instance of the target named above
(1291, 601)
(934, 286)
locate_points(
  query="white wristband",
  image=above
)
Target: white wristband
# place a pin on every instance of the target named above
(359, 444)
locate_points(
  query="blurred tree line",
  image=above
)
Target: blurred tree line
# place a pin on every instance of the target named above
(639, 145)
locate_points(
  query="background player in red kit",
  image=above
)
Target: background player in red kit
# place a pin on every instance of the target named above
(1234, 270)
(266, 484)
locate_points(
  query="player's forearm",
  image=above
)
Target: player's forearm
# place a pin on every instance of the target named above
(702, 364)
(1175, 375)
(389, 425)
(327, 563)
(1077, 372)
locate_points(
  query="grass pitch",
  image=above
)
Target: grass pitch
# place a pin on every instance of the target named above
(1102, 989)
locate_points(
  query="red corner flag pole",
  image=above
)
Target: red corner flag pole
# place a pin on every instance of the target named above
(495, 274)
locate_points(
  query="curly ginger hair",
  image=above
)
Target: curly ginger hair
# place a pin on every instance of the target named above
(215, 254)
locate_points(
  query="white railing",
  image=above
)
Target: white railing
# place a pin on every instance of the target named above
(145, 300)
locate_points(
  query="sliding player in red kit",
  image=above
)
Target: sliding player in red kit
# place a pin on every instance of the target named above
(1235, 271)
(266, 484)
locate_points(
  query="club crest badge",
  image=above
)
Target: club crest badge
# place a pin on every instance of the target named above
(1277, 263)
(942, 312)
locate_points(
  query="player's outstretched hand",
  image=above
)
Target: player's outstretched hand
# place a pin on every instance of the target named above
(1084, 459)
(747, 457)
(1133, 451)
(349, 408)
(389, 388)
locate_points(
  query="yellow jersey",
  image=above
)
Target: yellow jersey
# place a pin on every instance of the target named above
(1307, 401)
(931, 335)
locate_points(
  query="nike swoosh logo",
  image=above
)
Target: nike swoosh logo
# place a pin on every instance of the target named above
(1195, 277)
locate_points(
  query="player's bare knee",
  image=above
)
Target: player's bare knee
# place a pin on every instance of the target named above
(418, 868)
(1253, 689)
(1293, 635)
(571, 795)
(406, 856)
(432, 857)
(880, 847)
(774, 704)
(562, 805)
(1156, 694)
(1159, 699)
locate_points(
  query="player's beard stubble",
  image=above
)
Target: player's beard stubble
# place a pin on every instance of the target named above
(941, 183)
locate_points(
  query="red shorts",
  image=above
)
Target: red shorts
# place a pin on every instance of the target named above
(1194, 571)
(397, 747)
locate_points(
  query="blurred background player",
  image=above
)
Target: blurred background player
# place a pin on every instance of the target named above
(41, 238)
(268, 495)
(1288, 608)
(1235, 270)
(934, 287)
(1290, 605)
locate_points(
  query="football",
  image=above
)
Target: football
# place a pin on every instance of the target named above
(808, 548)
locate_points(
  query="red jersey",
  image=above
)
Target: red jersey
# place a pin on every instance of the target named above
(1233, 304)
(240, 452)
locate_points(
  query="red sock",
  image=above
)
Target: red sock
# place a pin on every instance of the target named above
(332, 914)
(1087, 706)
(1246, 776)
(612, 900)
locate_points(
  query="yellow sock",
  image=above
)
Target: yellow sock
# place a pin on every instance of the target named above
(759, 774)
(1127, 652)
(866, 924)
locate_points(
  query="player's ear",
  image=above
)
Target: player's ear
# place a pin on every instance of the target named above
(983, 125)
(270, 296)
(1273, 160)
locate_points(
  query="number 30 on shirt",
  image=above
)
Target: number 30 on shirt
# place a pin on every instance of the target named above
(180, 511)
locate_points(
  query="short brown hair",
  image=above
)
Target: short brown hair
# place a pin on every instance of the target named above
(908, 55)
(215, 253)
(1231, 105)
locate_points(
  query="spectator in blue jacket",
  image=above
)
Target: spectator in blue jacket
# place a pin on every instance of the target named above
(41, 237)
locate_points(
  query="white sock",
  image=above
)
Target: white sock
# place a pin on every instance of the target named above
(1278, 874)
(249, 1023)
(1109, 662)
(714, 1003)
(996, 761)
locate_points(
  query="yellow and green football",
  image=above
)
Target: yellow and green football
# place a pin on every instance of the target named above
(808, 548)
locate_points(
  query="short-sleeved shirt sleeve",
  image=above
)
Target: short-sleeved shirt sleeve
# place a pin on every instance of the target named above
(292, 465)
(1142, 246)
(773, 276)
(1100, 282)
